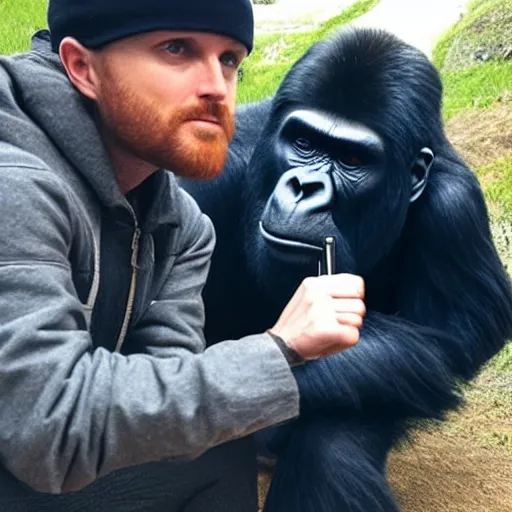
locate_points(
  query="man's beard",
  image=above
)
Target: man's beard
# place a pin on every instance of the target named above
(164, 137)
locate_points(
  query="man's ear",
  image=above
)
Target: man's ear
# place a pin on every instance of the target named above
(420, 171)
(78, 61)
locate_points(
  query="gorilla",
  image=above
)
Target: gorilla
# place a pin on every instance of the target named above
(352, 146)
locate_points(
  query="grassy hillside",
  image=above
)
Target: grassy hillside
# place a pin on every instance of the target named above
(475, 57)
(19, 19)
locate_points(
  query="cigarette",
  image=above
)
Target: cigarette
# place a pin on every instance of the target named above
(329, 255)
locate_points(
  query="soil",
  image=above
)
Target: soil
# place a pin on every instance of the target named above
(482, 136)
(463, 465)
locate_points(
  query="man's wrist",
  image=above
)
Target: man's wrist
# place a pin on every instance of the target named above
(292, 356)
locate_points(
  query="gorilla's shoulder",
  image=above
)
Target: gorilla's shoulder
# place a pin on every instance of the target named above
(250, 121)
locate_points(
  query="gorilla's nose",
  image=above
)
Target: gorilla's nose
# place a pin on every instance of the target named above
(304, 190)
(299, 206)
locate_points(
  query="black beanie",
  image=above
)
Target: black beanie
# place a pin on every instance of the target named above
(97, 22)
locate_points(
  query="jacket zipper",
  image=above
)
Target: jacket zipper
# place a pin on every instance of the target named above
(133, 284)
(95, 285)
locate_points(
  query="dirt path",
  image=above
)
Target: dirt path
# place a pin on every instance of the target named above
(418, 22)
(296, 15)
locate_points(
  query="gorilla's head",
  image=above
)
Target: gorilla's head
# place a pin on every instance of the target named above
(346, 151)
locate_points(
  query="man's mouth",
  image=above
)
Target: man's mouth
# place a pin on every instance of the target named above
(207, 119)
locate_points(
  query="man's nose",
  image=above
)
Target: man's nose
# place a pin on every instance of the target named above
(212, 80)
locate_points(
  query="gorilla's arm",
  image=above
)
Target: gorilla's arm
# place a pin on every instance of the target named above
(397, 369)
(454, 313)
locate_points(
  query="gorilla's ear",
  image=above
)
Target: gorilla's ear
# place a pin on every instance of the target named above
(420, 171)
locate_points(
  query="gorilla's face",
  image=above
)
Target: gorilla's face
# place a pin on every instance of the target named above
(321, 175)
(331, 170)
(332, 178)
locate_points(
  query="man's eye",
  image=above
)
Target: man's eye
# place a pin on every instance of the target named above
(230, 59)
(175, 47)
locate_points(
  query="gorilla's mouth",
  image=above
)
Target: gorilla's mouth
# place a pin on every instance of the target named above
(286, 242)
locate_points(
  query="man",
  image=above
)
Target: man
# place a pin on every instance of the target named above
(103, 259)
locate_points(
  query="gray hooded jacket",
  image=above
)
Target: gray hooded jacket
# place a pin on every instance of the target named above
(102, 357)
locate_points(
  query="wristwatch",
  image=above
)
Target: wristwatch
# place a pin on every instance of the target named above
(292, 357)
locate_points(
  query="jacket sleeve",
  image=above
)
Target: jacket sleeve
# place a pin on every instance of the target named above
(70, 414)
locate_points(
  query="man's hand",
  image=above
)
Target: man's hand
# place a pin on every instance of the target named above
(323, 316)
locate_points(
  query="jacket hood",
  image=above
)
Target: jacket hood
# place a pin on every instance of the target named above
(39, 107)
(43, 114)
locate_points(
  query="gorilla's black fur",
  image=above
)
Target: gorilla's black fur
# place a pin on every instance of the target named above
(439, 301)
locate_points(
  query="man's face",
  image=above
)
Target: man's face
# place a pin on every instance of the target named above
(168, 98)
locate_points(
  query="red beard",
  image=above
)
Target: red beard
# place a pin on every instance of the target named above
(168, 138)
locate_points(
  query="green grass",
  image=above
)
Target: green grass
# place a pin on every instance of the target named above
(486, 29)
(487, 26)
(479, 86)
(499, 190)
(275, 54)
(19, 19)
(498, 193)
(503, 361)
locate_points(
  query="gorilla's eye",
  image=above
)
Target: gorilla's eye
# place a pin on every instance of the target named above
(351, 161)
(303, 144)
